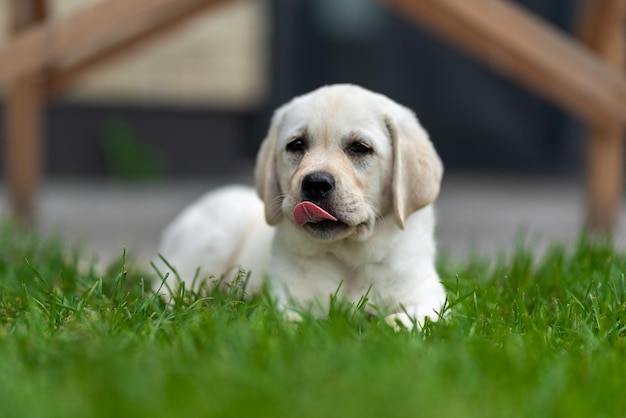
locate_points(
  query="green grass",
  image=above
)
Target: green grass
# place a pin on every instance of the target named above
(526, 337)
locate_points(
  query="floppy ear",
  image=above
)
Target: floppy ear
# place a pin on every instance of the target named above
(266, 175)
(417, 169)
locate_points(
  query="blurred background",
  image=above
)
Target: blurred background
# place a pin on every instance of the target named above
(137, 139)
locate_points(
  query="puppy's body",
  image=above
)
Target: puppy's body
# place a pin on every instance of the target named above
(347, 177)
(225, 228)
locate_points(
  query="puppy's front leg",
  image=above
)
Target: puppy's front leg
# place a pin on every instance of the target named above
(429, 302)
(303, 284)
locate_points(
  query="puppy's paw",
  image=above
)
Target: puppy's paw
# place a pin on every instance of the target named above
(411, 318)
(292, 316)
(400, 321)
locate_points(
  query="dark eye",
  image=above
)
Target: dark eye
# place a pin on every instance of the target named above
(297, 145)
(360, 148)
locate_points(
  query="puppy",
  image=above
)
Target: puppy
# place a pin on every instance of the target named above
(347, 178)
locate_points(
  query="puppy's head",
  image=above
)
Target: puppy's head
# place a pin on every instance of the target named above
(339, 158)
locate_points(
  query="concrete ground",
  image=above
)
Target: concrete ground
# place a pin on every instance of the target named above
(476, 214)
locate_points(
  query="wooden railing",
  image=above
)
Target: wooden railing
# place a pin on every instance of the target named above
(583, 74)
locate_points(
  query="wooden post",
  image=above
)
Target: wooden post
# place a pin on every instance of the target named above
(22, 146)
(603, 31)
(22, 123)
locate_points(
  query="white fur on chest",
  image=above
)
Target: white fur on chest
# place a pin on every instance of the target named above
(392, 263)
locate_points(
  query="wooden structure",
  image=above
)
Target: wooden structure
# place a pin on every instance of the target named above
(584, 75)
(42, 59)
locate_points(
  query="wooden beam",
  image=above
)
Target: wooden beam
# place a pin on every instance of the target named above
(82, 35)
(516, 43)
(22, 119)
(602, 29)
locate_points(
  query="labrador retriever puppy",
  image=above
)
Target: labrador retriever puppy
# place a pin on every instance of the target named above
(347, 178)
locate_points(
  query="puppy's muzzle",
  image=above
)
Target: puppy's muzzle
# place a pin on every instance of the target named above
(317, 186)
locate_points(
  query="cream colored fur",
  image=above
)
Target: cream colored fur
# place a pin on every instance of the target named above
(382, 197)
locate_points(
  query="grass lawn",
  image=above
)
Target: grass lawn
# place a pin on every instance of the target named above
(526, 337)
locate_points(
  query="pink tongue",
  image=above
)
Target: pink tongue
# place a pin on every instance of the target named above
(309, 212)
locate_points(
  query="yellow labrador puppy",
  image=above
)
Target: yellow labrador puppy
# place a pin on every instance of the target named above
(346, 178)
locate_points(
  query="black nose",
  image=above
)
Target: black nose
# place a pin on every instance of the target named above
(316, 186)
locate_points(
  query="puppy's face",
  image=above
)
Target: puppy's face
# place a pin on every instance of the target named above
(330, 163)
(333, 152)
